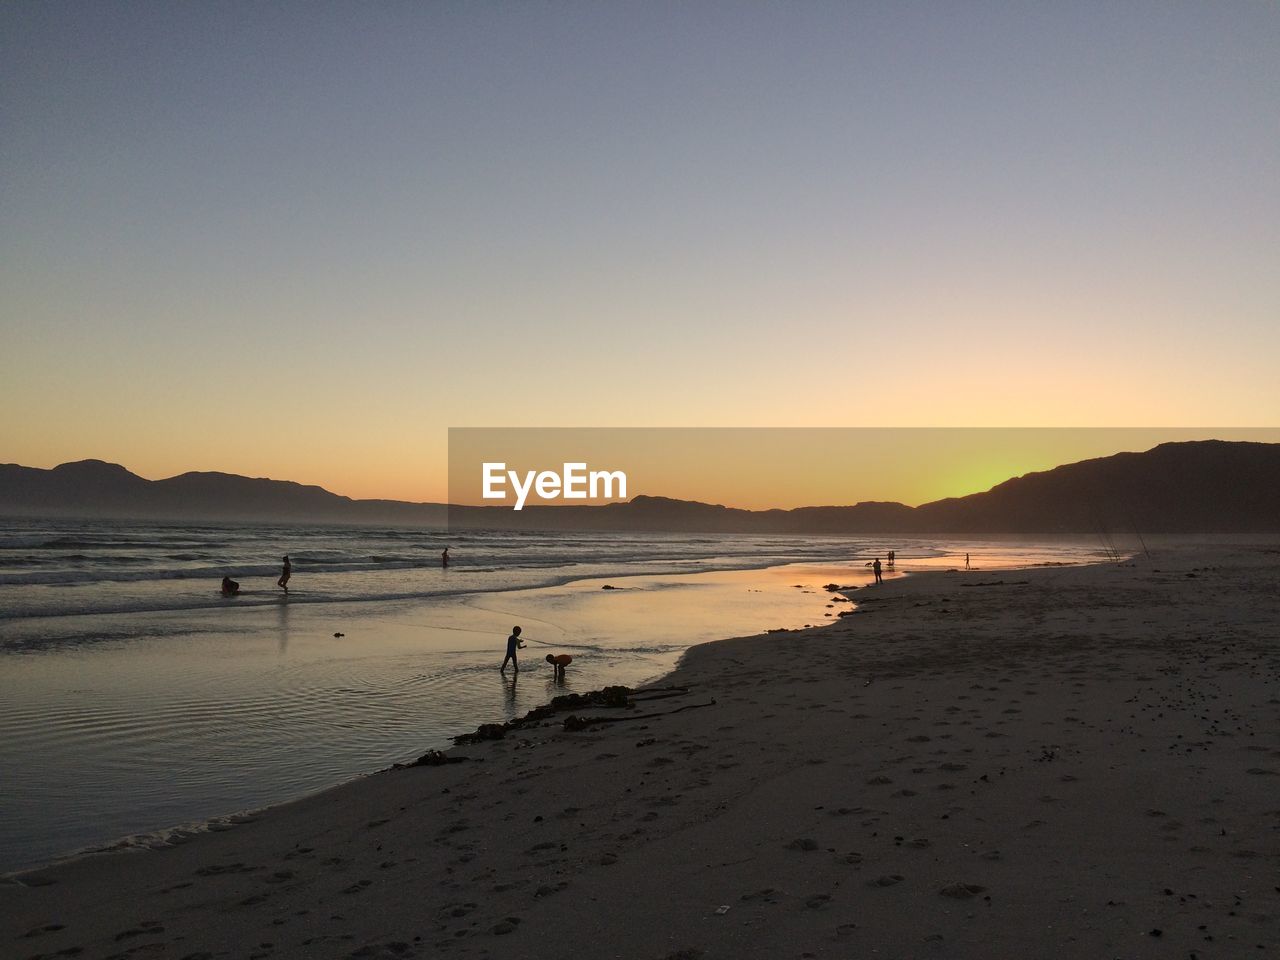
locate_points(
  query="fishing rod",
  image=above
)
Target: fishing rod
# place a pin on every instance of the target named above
(1129, 516)
(568, 646)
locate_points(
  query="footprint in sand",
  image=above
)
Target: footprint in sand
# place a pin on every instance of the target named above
(804, 843)
(47, 928)
(962, 891)
(145, 928)
(215, 870)
(506, 926)
(888, 880)
(382, 951)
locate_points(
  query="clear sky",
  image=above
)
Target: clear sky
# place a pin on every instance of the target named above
(302, 240)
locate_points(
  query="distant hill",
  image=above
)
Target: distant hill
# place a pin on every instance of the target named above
(1206, 486)
(92, 488)
(1209, 486)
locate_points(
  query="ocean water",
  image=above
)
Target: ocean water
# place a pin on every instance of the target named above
(57, 568)
(137, 704)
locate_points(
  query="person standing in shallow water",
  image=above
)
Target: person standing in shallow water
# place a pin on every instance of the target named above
(444, 558)
(285, 574)
(514, 643)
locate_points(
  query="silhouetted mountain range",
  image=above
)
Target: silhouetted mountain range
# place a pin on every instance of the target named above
(93, 488)
(1208, 486)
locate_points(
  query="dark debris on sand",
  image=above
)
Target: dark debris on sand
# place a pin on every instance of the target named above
(617, 697)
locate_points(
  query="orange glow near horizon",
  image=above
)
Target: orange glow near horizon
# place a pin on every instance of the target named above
(790, 469)
(779, 468)
(785, 468)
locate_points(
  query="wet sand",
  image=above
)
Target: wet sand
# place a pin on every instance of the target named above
(1068, 762)
(248, 708)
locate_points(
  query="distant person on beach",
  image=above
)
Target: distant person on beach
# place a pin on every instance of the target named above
(875, 568)
(229, 587)
(966, 561)
(444, 558)
(514, 643)
(558, 663)
(285, 574)
(891, 559)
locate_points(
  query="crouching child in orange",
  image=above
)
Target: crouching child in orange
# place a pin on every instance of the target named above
(558, 663)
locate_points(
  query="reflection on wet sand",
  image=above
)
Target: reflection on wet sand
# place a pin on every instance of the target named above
(282, 626)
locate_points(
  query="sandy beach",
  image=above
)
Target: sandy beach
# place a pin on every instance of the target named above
(343, 339)
(1066, 762)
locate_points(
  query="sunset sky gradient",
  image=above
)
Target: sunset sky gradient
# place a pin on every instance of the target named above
(303, 240)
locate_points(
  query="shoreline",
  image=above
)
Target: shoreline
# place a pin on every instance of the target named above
(268, 596)
(189, 831)
(1017, 763)
(177, 587)
(173, 832)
